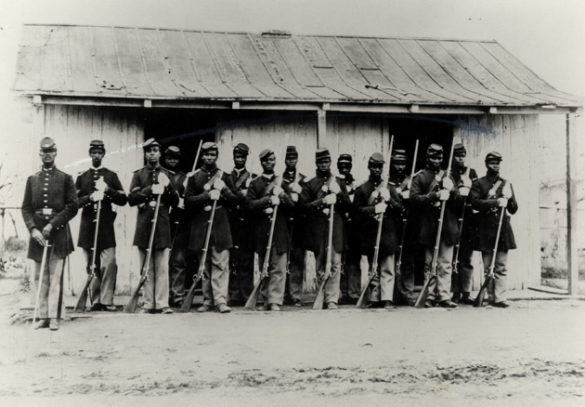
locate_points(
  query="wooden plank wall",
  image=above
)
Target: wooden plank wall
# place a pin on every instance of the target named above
(516, 138)
(73, 127)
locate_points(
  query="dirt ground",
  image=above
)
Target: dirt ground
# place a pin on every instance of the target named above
(530, 354)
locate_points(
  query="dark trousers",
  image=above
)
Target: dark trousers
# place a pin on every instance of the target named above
(296, 272)
(462, 278)
(241, 281)
(351, 276)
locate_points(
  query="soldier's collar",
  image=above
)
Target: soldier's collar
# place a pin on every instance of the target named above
(54, 167)
(96, 169)
(239, 171)
(269, 177)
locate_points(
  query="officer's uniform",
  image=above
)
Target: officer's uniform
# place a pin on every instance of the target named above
(242, 254)
(258, 201)
(424, 195)
(462, 278)
(198, 205)
(484, 195)
(49, 197)
(293, 182)
(316, 237)
(156, 287)
(180, 229)
(366, 197)
(106, 270)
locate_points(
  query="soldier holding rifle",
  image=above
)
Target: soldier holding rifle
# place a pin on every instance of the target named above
(433, 189)
(148, 183)
(492, 196)
(207, 191)
(48, 205)
(99, 187)
(375, 198)
(319, 196)
(462, 274)
(268, 204)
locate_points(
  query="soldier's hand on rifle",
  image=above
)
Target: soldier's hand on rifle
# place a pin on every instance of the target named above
(218, 184)
(406, 194)
(274, 200)
(296, 188)
(385, 194)
(277, 190)
(334, 188)
(100, 185)
(464, 191)
(97, 196)
(37, 236)
(163, 179)
(330, 199)
(158, 189)
(502, 202)
(214, 194)
(380, 208)
(443, 194)
(447, 183)
(47, 230)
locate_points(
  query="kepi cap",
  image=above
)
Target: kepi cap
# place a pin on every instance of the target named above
(344, 158)
(291, 152)
(241, 148)
(321, 154)
(493, 156)
(97, 144)
(208, 146)
(265, 153)
(47, 143)
(459, 150)
(376, 158)
(399, 155)
(151, 142)
(434, 150)
(173, 151)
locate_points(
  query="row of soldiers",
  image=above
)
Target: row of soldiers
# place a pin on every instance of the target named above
(279, 216)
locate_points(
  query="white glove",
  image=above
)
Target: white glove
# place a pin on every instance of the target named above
(214, 194)
(97, 196)
(330, 199)
(447, 183)
(507, 190)
(181, 204)
(218, 184)
(466, 182)
(243, 192)
(502, 202)
(100, 185)
(276, 191)
(295, 188)
(380, 208)
(406, 194)
(443, 194)
(158, 189)
(274, 200)
(163, 179)
(464, 191)
(385, 194)
(294, 196)
(334, 188)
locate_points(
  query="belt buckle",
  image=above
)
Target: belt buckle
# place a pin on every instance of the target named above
(152, 204)
(46, 211)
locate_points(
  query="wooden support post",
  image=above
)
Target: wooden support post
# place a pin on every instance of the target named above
(321, 128)
(572, 259)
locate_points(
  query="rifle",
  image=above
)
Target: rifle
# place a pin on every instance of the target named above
(490, 277)
(460, 232)
(131, 306)
(374, 269)
(318, 304)
(405, 216)
(420, 301)
(40, 282)
(188, 300)
(87, 291)
(253, 298)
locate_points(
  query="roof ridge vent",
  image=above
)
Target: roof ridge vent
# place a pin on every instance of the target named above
(277, 33)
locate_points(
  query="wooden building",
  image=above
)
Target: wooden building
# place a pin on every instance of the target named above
(125, 84)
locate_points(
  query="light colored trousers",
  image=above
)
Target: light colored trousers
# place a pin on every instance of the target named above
(216, 277)
(440, 287)
(156, 286)
(102, 287)
(497, 290)
(382, 288)
(331, 289)
(274, 290)
(50, 287)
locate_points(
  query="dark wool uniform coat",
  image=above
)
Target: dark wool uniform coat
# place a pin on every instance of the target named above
(180, 224)
(400, 183)
(424, 185)
(368, 221)
(49, 197)
(351, 217)
(469, 229)
(114, 193)
(240, 222)
(198, 205)
(317, 219)
(257, 200)
(297, 218)
(489, 214)
(141, 195)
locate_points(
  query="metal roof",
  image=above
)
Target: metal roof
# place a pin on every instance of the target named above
(148, 63)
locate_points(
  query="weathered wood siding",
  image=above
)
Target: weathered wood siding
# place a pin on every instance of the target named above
(516, 138)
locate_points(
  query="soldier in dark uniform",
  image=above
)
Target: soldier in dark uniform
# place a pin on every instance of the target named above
(400, 181)
(371, 200)
(430, 187)
(93, 185)
(242, 254)
(489, 195)
(264, 194)
(293, 182)
(463, 176)
(48, 205)
(317, 197)
(351, 273)
(209, 184)
(180, 229)
(147, 183)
